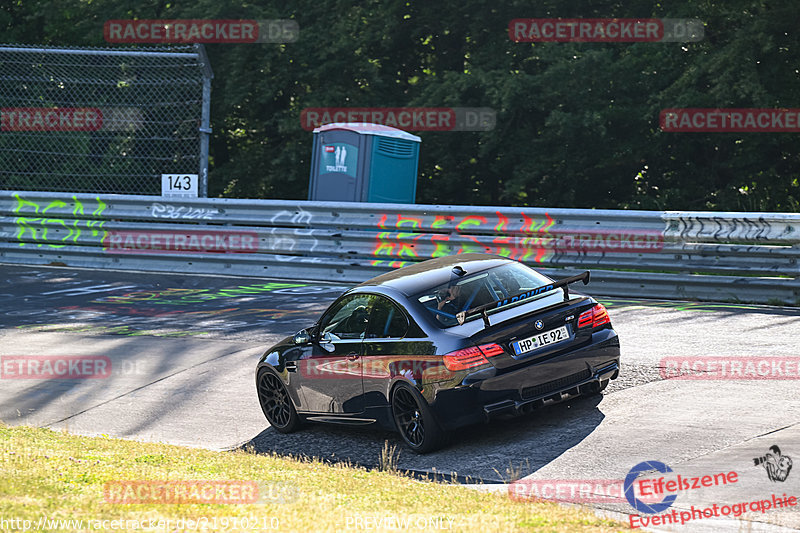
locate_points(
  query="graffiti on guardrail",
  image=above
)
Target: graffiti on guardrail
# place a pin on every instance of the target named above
(51, 217)
(402, 247)
(182, 212)
(731, 228)
(282, 242)
(404, 239)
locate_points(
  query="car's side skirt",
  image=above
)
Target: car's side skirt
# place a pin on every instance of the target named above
(347, 420)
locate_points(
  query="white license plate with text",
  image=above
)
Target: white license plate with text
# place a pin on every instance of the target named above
(540, 339)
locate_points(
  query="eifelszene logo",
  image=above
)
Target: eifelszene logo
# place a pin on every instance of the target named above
(630, 480)
(640, 477)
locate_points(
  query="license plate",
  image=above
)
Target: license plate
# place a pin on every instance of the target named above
(541, 339)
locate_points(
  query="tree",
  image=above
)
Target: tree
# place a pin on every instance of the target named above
(577, 123)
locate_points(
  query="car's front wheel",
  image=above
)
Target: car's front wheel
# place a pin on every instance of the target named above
(415, 422)
(276, 403)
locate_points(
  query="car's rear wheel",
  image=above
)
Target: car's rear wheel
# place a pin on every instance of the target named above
(415, 422)
(276, 403)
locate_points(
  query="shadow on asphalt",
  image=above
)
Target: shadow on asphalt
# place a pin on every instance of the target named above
(498, 452)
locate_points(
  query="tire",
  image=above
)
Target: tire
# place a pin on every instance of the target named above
(276, 403)
(415, 422)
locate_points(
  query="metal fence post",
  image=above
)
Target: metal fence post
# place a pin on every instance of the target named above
(205, 120)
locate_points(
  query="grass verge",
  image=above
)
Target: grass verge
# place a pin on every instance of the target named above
(47, 476)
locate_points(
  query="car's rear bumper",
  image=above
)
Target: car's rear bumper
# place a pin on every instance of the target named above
(487, 393)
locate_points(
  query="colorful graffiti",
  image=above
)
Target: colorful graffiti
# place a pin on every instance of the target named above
(402, 239)
(403, 247)
(36, 228)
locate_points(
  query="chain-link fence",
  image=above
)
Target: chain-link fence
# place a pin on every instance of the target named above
(103, 120)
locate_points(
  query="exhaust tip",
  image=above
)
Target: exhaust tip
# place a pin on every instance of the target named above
(591, 388)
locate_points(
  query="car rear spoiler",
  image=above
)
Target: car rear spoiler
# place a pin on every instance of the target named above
(483, 310)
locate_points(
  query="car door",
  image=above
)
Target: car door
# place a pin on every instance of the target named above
(394, 348)
(330, 372)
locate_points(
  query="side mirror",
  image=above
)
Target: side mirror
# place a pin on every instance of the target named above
(326, 343)
(302, 337)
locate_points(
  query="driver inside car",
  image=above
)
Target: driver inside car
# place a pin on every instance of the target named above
(450, 300)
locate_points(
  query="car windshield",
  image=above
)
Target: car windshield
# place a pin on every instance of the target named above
(472, 291)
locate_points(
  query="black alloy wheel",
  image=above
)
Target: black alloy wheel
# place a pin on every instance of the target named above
(415, 421)
(276, 404)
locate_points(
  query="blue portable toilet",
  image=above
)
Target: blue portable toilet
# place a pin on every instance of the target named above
(362, 162)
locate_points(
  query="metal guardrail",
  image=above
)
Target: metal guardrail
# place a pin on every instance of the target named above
(709, 256)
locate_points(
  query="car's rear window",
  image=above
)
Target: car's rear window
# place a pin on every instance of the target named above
(471, 291)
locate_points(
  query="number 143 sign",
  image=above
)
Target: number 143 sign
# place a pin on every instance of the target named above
(179, 185)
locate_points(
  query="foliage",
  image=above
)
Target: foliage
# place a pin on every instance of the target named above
(577, 123)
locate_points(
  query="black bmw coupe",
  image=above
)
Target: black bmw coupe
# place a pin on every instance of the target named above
(439, 345)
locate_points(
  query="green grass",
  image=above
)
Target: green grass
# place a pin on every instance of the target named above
(44, 473)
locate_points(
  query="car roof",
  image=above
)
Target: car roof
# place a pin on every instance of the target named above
(420, 276)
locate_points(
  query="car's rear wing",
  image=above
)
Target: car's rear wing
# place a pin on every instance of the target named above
(483, 310)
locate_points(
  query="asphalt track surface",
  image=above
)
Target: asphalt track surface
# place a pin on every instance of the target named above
(182, 351)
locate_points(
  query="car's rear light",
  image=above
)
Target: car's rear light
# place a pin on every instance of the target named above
(491, 350)
(595, 317)
(601, 317)
(471, 357)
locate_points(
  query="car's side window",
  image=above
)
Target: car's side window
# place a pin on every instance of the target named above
(386, 320)
(348, 318)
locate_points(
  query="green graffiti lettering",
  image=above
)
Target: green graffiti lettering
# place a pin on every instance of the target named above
(101, 206)
(21, 202)
(55, 204)
(36, 229)
(78, 208)
(23, 227)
